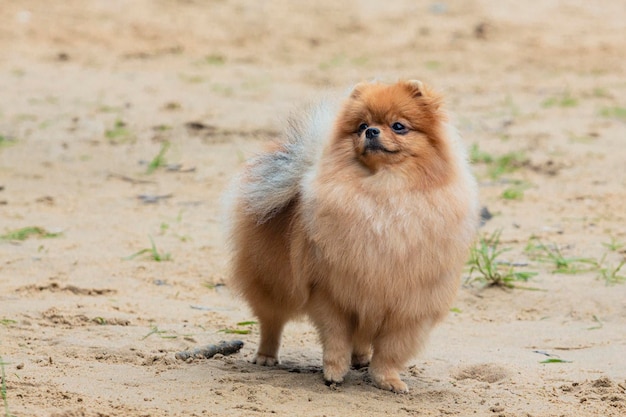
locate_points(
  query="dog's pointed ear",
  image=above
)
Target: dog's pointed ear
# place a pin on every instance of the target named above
(356, 91)
(416, 87)
(426, 95)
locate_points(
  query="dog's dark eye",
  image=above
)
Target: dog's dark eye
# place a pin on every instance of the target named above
(399, 128)
(361, 128)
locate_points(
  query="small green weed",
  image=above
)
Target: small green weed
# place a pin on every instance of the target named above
(497, 165)
(161, 333)
(615, 112)
(555, 360)
(600, 92)
(7, 322)
(562, 265)
(159, 160)
(215, 59)
(240, 331)
(515, 192)
(613, 245)
(6, 141)
(119, 133)
(584, 138)
(433, 65)
(222, 89)
(487, 269)
(152, 251)
(611, 274)
(598, 326)
(162, 128)
(109, 109)
(565, 100)
(479, 156)
(336, 61)
(30, 231)
(506, 164)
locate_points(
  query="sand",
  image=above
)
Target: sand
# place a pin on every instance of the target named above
(92, 91)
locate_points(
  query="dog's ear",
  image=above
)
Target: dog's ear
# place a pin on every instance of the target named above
(424, 94)
(416, 87)
(356, 91)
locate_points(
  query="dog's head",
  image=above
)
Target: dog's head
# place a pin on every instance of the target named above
(397, 126)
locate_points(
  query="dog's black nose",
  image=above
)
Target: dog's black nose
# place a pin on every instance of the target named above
(372, 132)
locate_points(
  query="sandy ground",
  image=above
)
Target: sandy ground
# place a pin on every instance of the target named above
(90, 91)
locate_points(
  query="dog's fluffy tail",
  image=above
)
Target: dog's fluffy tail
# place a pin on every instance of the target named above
(273, 179)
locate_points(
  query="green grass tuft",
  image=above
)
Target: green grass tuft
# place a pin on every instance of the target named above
(487, 269)
(5, 141)
(119, 133)
(613, 245)
(565, 101)
(433, 65)
(600, 92)
(30, 231)
(155, 255)
(562, 265)
(611, 274)
(215, 59)
(161, 333)
(479, 156)
(497, 165)
(515, 192)
(615, 112)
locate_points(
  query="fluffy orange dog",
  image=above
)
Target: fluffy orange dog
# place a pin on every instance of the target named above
(360, 219)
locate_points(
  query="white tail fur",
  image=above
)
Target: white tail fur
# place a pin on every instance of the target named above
(273, 179)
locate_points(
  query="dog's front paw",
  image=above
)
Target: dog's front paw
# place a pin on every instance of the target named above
(263, 360)
(334, 374)
(393, 384)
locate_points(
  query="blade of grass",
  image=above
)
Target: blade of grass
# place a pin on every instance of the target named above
(239, 331)
(597, 320)
(562, 265)
(246, 323)
(153, 251)
(555, 360)
(159, 160)
(160, 333)
(234, 331)
(611, 275)
(26, 232)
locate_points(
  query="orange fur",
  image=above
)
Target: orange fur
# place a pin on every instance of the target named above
(371, 244)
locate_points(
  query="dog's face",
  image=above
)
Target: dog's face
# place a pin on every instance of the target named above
(393, 126)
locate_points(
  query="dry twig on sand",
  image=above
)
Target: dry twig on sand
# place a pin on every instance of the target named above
(224, 348)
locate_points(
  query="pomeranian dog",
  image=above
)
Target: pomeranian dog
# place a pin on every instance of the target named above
(361, 218)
